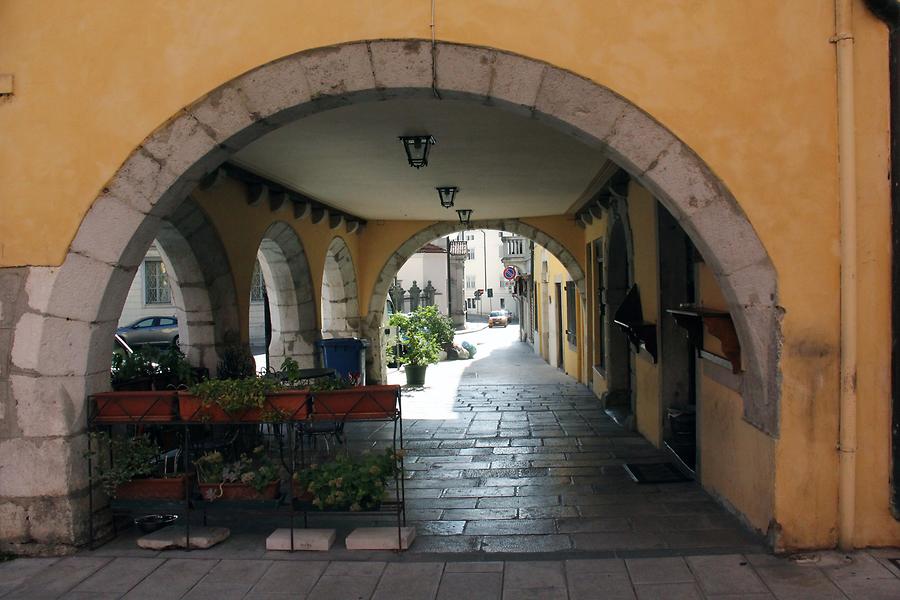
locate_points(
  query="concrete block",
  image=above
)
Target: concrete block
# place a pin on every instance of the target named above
(42, 466)
(637, 140)
(174, 537)
(338, 70)
(516, 79)
(275, 87)
(587, 107)
(180, 144)
(139, 181)
(401, 64)
(464, 69)
(304, 539)
(224, 112)
(107, 229)
(380, 538)
(52, 406)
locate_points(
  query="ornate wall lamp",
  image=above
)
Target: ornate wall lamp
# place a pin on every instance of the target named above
(417, 148)
(447, 194)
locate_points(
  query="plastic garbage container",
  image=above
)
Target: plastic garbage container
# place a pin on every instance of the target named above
(346, 355)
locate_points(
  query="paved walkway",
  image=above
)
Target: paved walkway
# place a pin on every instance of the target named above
(517, 491)
(865, 576)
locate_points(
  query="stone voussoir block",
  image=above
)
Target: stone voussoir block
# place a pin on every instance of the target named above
(587, 107)
(275, 88)
(464, 69)
(638, 140)
(401, 63)
(224, 112)
(180, 144)
(516, 79)
(107, 229)
(338, 70)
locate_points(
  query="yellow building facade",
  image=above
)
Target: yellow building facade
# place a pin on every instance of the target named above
(745, 128)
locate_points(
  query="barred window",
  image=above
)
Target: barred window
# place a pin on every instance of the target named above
(470, 281)
(156, 283)
(472, 254)
(258, 287)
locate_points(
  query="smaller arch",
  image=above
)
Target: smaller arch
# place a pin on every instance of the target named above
(371, 327)
(286, 273)
(340, 294)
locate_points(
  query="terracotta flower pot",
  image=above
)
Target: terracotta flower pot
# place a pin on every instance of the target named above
(131, 407)
(289, 405)
(362, 402)
(238, 491)
(168, 488)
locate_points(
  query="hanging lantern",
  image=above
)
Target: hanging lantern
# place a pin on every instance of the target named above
(465, 216)
(417, 148)
(447, 194)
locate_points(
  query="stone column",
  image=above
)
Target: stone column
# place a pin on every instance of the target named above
(415, 294)
(456, 291)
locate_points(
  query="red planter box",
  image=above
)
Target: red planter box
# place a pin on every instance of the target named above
(131, 407)
(169, 488)
(237, 491)
(291, 405)
(362, 402)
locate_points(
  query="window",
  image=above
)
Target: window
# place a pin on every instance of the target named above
(156, 283)
(167, 322)
(471, 254)
(571, 324)
(470, 282)
(258, 287)
(470, 237)
(502, 302)
(144, 323)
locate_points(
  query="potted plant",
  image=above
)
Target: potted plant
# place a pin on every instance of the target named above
(137, 471)
(144, 384)
(249, 400)
(422, 334)
(253, 477)
(347, 483)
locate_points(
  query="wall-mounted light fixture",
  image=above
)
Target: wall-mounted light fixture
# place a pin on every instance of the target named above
(417, 148)
(447, 194)
(465, 216)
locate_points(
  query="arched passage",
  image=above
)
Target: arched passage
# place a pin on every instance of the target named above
(285, 270)
(62, 344)
(372, 324)
(340, 304)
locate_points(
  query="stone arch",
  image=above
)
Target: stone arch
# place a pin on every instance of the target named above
(62, 346)
(340, 296)
(286, 272)
(371, 327)
(207, 307)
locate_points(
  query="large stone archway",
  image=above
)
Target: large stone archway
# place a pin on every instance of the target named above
(61, 318)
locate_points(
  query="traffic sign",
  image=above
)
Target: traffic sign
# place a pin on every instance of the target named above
(510, 272)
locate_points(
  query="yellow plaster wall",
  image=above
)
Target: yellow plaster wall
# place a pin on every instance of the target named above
(557, 273)
(94, 78)
(736, 459)
(642, 219)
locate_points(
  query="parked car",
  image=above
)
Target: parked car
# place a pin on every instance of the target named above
(160, 331)
(498, 318)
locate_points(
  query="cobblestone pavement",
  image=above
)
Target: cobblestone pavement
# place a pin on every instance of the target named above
(863, 576)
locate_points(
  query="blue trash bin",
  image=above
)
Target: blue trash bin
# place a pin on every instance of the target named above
(346, 355)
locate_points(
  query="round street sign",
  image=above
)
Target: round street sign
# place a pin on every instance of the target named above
(510, 272)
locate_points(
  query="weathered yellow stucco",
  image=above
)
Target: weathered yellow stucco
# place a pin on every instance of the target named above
(750, 89)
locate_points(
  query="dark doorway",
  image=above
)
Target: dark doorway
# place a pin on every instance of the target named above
(560, 361)
(618, 282)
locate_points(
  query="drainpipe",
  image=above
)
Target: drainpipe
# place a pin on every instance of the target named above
(843, 40)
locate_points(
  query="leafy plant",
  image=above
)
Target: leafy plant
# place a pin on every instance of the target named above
(132, 458)
(141, 364)
(257, 470)
(234, 395)
(421, 349)
(429, 319)
(174, 366)
(349, 483)
(290, 376)
(236, 360)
